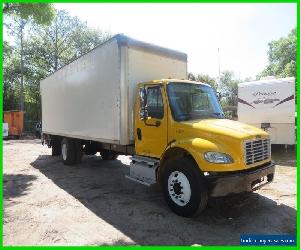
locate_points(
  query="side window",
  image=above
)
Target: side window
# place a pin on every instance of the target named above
(155, 104)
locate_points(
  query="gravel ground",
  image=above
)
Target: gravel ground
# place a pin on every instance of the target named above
(47, 203)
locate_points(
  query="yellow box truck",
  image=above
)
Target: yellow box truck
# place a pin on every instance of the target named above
(107, 101)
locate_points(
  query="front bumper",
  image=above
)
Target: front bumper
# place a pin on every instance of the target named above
(222, 184)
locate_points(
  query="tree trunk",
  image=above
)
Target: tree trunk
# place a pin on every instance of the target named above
(56, 49)
(22, 67)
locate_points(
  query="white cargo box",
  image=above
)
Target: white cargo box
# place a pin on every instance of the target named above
(270, 101)
(92, 98)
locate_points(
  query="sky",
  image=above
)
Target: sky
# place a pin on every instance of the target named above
(240, 31)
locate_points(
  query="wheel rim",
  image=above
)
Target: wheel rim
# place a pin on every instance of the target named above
(179, 188)
(64, 151)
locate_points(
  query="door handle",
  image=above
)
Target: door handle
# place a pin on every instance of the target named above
(180, 130)
(139, 133)
(156, 124)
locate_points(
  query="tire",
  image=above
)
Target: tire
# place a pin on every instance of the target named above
(78, 150)
(68, 151)
(184, 189)
(90, 149)
(56, 146)
(108, 155)
(90, 152)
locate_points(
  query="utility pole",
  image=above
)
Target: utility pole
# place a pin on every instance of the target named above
(219, 68)
(219, 62)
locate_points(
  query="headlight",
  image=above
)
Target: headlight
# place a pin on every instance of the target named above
(217, 157)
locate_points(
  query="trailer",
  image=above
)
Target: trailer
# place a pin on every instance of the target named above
(269, 104)
(15, 123)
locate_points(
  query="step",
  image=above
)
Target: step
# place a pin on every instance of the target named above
(143, 170)
(148, 184)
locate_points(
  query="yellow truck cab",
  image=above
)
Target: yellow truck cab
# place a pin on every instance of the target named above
(174, 130)
(181, 124)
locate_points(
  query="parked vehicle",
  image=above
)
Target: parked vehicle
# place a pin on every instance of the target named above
(14, 119)
(269, 104)
(105, 101)
(38, 129)
(5, 130)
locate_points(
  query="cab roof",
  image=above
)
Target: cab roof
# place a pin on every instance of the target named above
(172, 80)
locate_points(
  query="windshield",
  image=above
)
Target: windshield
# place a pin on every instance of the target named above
(190, 101)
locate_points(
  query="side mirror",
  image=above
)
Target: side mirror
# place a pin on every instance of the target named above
(219, 96)
(143, 104)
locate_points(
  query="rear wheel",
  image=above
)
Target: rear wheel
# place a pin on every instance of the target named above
(108, 155)
(78, 150)
(71, 151)
(184, 188)
(90, 149)
(56, 146)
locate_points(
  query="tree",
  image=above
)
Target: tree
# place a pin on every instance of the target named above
(21, 14)
(191, 76)
(63, 41)
(228, 88)
(11, 76)
(44, 49)
(50, 48)
(282, 57)
(204, 79)
(207, 79)
(85, 39)
(41, 13)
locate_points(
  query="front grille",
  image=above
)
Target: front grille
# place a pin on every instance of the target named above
(257, 150)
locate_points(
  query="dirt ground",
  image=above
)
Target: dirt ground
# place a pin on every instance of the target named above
(47, 203)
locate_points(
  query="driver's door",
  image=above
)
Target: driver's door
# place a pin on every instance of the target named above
(151, 133)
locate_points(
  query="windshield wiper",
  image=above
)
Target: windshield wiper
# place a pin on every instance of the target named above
(184, 117)
(220, 115)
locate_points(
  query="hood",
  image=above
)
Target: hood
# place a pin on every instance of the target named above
(225, 127)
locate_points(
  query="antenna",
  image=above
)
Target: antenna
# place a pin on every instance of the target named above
(219, 62)
(219, 76)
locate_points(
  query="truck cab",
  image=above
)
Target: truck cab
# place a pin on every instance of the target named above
(196, 152)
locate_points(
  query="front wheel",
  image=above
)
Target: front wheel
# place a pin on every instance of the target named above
(184, 188)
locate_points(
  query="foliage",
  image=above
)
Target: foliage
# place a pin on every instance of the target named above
(20, 16)
(204, 79)
(44, 49)
(63, 41)
(229, 89)
(41, 13)
(282, 57)
(11, 74)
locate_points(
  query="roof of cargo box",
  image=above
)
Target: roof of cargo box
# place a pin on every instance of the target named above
(267, 81)
(136, 44)
(123, 40)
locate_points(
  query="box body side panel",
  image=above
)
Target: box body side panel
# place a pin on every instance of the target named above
(83, 98)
